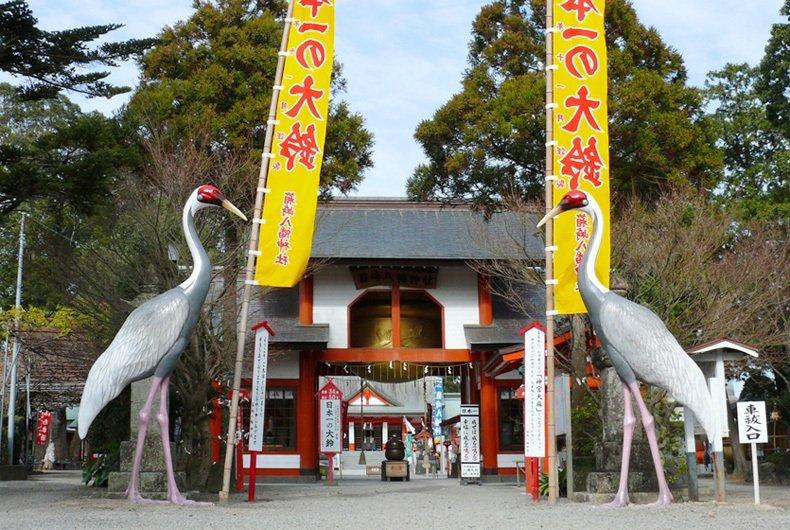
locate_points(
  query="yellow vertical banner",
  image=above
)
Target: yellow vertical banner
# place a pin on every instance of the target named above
(286, 235)
(581, 136)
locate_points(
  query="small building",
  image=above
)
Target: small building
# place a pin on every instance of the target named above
(393, 297)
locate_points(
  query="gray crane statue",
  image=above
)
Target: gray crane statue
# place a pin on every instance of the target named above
(640, 348)
(149, 344)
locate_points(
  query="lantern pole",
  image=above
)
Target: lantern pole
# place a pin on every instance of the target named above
(249, 281)
(550, 281)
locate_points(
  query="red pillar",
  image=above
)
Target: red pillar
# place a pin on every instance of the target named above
(488, 425)
(306, 417)
(306, 300)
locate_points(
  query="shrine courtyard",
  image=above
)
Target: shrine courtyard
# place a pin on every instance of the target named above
(57, 500)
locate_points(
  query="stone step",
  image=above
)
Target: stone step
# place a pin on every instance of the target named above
(150, 481)
(638, 497)
(607, 482)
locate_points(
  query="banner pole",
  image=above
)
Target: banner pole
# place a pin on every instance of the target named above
(241, 338)
(552, 444)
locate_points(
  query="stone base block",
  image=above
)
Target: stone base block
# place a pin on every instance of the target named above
(13, 473)
(150, 481)
(153, 455)
(608, 481)
(638, 497)
(609, 455)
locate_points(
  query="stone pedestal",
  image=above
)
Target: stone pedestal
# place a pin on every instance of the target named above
(608, 455)
(153, 477)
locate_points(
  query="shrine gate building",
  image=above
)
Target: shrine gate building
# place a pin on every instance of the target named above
(392, 299)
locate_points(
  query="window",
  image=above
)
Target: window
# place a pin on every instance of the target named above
(421, 321)
(279, 431)
(371, 321)
(416, 314)
(511, 421)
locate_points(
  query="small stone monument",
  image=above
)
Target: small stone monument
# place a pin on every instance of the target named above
(608, 455)
(153, 477)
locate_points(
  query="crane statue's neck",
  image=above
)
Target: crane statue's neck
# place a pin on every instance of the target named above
(200, 278)
(589, 284)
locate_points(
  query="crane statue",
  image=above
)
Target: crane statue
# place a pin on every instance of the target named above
(150, 343)
(640, 348)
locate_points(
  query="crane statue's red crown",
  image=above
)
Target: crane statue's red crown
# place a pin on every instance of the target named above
(210, 194)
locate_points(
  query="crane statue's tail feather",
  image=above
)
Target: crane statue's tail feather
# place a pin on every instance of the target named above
(102, 386)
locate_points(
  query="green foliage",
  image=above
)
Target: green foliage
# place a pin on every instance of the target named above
(96, 473)
(50, 59)
(587, 427)
(756, 152)
(543, 483)
(487, 142)
(774, 71)
(214, 73)
(50, 150)
(64, 319)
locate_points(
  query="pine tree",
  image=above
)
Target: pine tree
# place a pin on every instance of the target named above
(49, 60)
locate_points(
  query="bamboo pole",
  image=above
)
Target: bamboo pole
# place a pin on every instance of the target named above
(550, 427)
(250, 269)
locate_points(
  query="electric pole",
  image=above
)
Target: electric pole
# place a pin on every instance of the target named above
(15, 358)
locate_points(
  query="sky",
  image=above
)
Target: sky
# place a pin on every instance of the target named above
(404, 58)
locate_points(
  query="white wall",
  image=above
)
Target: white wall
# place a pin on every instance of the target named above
(283, 365)
(456, 290)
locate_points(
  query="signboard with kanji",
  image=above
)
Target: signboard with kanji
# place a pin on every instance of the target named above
(470, 441)
(535, 391)
(581, 140)
(258, 396)
(297, 148)
(752, 424)
(44, 424)
(330, 400)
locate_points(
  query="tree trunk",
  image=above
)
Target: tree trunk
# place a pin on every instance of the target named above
(741, 470)
(230, 276)
(578, 358)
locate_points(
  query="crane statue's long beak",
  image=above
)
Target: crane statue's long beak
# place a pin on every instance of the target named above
(232, 209)
(553, 213)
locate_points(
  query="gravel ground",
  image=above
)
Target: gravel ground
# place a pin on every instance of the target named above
(57, 500)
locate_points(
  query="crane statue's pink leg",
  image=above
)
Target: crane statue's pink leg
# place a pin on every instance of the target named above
(664, 495)
(629, 420)
(133, 491)
(173, 494)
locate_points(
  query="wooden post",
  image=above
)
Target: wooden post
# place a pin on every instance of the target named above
(755, 474)
(252, 475)
(691, 454)
(568, 445)
(253, 247)
(550, 312)
(330, 469)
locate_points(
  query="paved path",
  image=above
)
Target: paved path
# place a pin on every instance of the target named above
(57, 500)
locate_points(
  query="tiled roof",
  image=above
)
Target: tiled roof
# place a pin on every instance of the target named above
(398, 229)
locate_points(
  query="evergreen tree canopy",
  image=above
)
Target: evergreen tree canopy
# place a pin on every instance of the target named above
(756, 153)
(50, 150)
(214, 73)
(488, 140)
(50, 59)
(774, 82)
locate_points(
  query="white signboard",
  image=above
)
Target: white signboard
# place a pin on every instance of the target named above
(535, 392)
(752, 422)
(470, 441)
(258, 397)
(331, 414)
(331, 439)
